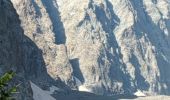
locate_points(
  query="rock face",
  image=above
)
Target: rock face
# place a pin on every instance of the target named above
(11, 42)
(101, 46)
(20, 54)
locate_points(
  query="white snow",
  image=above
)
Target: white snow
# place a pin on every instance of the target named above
(139, 93)
(84, 88)
(39, 94)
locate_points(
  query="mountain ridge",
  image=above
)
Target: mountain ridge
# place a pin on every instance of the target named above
(105, 47)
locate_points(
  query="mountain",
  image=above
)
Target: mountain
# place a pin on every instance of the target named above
(105, 47)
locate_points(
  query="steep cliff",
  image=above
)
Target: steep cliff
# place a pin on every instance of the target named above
(101, 46)
(11, 39)
(20, 54)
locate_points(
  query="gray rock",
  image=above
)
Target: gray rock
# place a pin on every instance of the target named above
(101, 46)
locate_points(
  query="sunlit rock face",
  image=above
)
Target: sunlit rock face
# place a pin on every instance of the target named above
(102, 46)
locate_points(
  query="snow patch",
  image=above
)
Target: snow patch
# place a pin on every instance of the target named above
(39, 94)
(84, 88)
(139, 93)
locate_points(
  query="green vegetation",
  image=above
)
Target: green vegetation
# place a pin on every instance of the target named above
(6, 91)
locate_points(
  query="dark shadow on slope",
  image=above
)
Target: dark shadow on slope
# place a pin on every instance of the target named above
(37, 9)
(108, 24)
(87, 17)
(58, 27)
(21, 54)
(35, 67)
(157, 38)
(77, 95)
(76, 69)
(168, 25)
(141, 83)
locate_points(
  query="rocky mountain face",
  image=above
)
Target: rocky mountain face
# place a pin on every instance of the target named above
(11, 50)
(101, 46)
(20, 54)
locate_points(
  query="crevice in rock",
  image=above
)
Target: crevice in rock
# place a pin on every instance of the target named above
(76, 69)
(54, 14)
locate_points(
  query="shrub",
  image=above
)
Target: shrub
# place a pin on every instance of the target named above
(6, 90)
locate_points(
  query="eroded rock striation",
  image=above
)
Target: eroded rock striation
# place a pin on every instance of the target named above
(101, 46)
